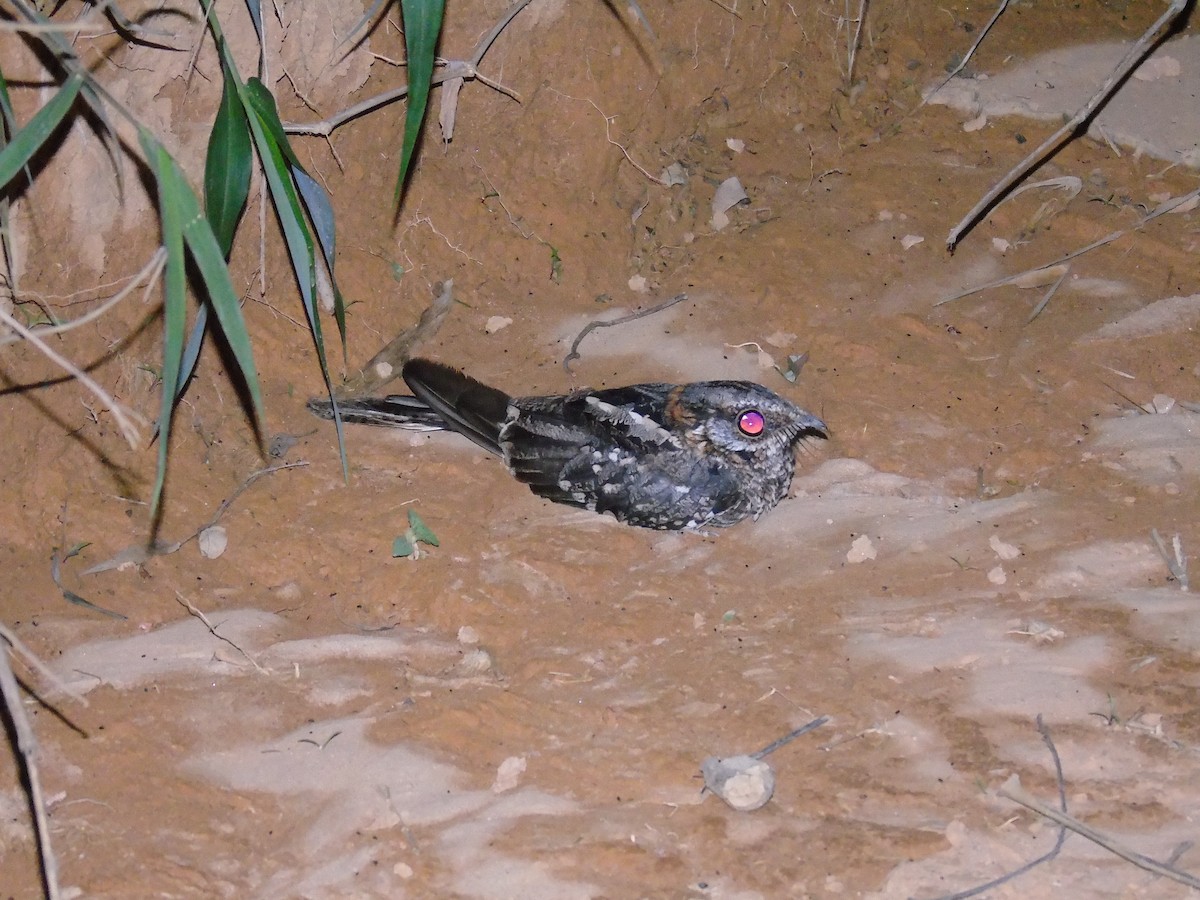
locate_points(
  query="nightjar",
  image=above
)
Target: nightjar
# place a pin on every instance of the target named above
(665, 456)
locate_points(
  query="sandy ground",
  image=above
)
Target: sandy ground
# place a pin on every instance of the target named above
(523, 711)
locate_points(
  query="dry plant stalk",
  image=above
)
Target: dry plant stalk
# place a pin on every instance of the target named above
(1135, 55)
(26, 748)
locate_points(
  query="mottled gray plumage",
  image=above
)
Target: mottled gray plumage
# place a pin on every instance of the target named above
(674, 457)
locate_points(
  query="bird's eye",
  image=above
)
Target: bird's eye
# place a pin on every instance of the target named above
(751, 423)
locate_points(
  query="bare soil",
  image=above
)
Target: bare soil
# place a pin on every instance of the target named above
(523, 711)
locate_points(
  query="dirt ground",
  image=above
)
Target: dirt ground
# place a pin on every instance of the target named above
(523, 711)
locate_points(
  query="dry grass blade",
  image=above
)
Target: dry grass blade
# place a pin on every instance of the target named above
(26, 747)
(1037, 310)
(1175, 559)
(149, 272)
(1162, 209)
(962, 63)
(127, 420)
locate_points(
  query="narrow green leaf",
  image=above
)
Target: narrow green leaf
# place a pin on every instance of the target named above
(227, 165)
(260, 101)
(401, 546)
(320, 213)
(279, 165)
(26, 141)
(175, 299)
(422, 24)
(320, 210)
(206, 253)
(191, 350)
(255, 8)
(286, 202)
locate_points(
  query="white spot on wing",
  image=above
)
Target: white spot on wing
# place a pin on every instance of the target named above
(640, 427)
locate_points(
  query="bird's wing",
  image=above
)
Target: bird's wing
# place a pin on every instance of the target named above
(551, 437)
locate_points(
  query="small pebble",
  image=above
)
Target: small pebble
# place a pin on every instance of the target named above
(744, 782)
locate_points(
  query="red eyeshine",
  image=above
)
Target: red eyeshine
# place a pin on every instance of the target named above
(751, 423)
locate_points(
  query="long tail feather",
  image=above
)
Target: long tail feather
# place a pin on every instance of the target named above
(397, 411)
(467, 406)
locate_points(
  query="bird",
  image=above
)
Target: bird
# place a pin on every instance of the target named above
(671, 457)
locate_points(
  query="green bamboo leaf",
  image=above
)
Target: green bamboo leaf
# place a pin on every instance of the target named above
(227, 165)
(320, 213)
(260, 102)
(29, 139)
(422, 24)
(175, 299)
(286, 202)
(296, 235)
(191, 351)
(256, 16)
(209, 258)
(180, 210)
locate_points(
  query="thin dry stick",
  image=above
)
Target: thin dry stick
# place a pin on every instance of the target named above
(1131, 59)
(963, 62)
(1044, 858)
(151, 270)
(191, 608)
(30, 659)
(466, 69)
(79, 26)
(1013, 791)
(789, 737)
(123, 416)
(1037, 310)
(26, 746)
(592, 326)
(1159, 210)
(1176, 563)
(608, 120)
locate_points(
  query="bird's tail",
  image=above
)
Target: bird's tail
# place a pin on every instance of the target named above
(465, 405)
(446, 400)
(397, 411)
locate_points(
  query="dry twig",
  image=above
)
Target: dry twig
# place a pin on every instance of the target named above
(1159, 210)
(1050, 854)
(191, 608)
(1135, 55)
(139, 553)
(465, 69)
(967, 56)
(127, 420)
(26, 747)
(600, 323)
(1013, 791)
